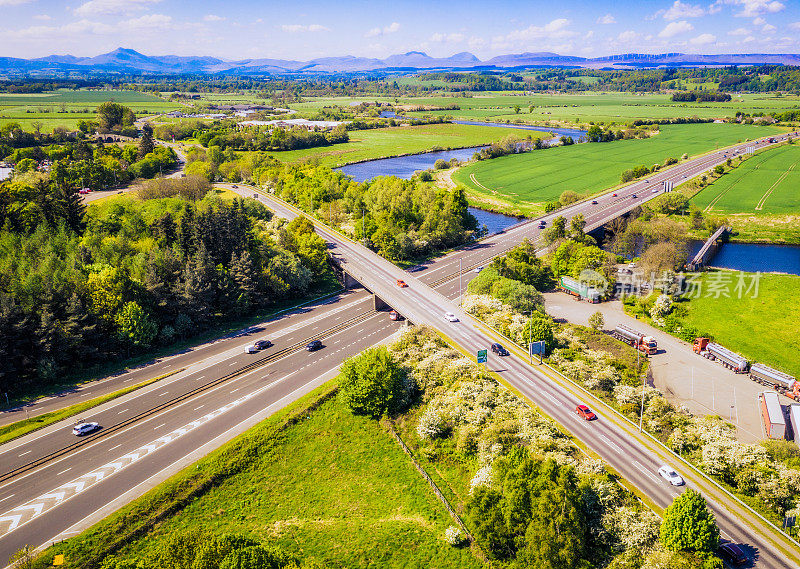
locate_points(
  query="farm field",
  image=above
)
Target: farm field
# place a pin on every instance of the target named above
(527, 181)
(751, 326)
(393, 141)
(596, 107)
(379, 513)
(765, 184)
(65, 107)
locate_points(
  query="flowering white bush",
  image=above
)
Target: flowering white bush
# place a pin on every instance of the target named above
(632, 528)
(661, 307)
(430, 424)
(483, 477)
(626, 394)
(453, 536)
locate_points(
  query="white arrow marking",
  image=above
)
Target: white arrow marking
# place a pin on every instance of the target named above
(79, 485)
(59, 496)
(37, 507)
(14, 521)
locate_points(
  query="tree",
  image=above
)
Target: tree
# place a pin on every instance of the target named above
(596, 320)
(135, 325)
(556, 231)
(516, 109)
(372, 384)
(24, 558)
(146, 144)
(485, 518)
(688, 525)
(540, 330)
(113, 116)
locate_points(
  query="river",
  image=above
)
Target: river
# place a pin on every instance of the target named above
(403, 166)
(5, 173)
(755, 257)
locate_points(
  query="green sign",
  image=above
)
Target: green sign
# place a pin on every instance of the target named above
(483, 356)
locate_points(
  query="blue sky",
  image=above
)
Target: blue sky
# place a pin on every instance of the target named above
(239, 29)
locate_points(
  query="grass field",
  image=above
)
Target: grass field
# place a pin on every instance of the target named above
(763, 329)
(383, 142)
(66, 107)
(526, 181)
(331, 488)
(764, 184)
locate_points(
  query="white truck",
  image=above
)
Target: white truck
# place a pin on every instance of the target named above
(772, 415)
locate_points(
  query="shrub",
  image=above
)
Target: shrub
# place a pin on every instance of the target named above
(371, 383)
(453, 536)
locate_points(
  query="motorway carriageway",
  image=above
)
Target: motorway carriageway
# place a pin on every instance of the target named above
(33, 520)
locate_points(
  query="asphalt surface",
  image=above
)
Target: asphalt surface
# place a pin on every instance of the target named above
(43, 503)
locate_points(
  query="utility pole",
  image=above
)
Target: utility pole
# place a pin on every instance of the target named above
(644, 385)
(460, 290)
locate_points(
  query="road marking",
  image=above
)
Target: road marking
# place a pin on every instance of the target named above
(198, 408)
(7, 497)
(612, 445)
(26, 452)
(163, 394)
(63, 471)
(201, 377)
(161, 425)
(551, 398)
(121, 412)
(644, 471)
(112, 448)
(234, 390)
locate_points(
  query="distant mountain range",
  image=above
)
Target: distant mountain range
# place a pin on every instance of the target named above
(128, 61)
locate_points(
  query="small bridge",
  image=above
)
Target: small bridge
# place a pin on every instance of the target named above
(708, 250)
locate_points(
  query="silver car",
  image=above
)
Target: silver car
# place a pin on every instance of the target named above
(84, 428)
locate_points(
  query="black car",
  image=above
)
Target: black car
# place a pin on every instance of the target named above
(315, 345)
(499, 350)
(263, 344)
(732, 553)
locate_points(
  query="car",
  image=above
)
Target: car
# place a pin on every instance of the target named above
(314, 345)
(234, 186)
(499, 349)
(84, 428)
(647, 181)
(257, 346)
(477, 269)
(733, 553)
(634, 196)
(585, 413)
(394, 315)
(655, 190)
(450, 317)
(613, 195)
(668, 474)
(401, 283)
(594, 202)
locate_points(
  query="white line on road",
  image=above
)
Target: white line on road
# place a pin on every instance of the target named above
(551, 398)
(609, 443)
(163, 394)
(112, 448)
(198, 408)
(63, 471)
(24, 453)
(7, 497)
(161, 425)
(121, 412)
(644, 471)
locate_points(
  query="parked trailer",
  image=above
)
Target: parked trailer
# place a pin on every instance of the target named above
(794, 420)
(714, 351)
(767, 376)
(579, 289)
(646, 344)
(772, 415)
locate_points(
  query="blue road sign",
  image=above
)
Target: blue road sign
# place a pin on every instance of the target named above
(483, 356)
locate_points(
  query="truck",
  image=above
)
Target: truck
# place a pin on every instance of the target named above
(578, 289)
(782, 382)
(772, 415)
(714, 351)
(646, 344)
(794, 421)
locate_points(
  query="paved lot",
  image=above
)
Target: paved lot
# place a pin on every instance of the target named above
(703, 386)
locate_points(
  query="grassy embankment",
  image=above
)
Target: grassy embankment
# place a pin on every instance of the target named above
(523, 183)
(320, 482)
(66, 107)
(394, 141)
(763, 329)
(759, 198)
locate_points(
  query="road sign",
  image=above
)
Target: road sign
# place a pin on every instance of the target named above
(536, 348)
(483, 356)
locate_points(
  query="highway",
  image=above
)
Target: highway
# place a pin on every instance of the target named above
(38, 503)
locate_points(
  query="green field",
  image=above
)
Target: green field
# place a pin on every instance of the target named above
(763, 329)
(383, 142)
(331, 488)
(66, 107)
(764, 184)
(528, 180)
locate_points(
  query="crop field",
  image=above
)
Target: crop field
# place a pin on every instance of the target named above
(333, 489)
(528, 180)
(393, 141)
(66, 107)
(764, 184)
(763, 329)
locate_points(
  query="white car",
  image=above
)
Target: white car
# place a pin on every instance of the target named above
(655, 190)
(670, 476)
(450, 317)
(84, 428)
(477, 269)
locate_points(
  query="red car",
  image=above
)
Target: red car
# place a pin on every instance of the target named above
(401, 284)
(585, 413)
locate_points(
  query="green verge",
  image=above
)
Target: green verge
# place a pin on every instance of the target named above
(323, 484)
(25, 426)
(402, 140)
(529, 180)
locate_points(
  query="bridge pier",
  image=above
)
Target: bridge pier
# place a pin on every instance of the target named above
(378, 303)
(708, 250)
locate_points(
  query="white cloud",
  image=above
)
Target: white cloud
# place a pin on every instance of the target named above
(13, 2)
(42, 17)
(751, 8)
(628, 36)
(556, 29)
(148, 22)
(476, 42)
(607, 19)
(795, 25)
(674, 28)
(759, 21)
(390, 29)
(768, 28)
(680, 10)
(738, 32)
(299, 28)
(447, 38)
(212, 18)
(100, 7)
(703, 39)
(79, 27)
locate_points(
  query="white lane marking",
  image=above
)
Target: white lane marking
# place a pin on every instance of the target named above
(21, 515)
(112, 448)
(7, 497)
(644, 471)
(198, 408)
(201, 377)
(163, 394)
(63, 471)
(234, 390)
(121, 412)
(606, 440)
(551, 398)
(26, 452)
